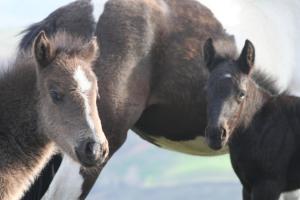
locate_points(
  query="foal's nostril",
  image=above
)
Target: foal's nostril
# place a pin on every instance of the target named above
(223, 133)
(92, 149)
(89, 148)
(103, 153)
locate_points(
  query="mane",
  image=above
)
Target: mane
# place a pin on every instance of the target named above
(70, 44)
(25, 61)
(265, 82)
(61, 41)
(75, 18)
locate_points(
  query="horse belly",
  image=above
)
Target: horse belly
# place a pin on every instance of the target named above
(196, 146)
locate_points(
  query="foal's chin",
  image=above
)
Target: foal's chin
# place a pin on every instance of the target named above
(216, 145)
(84, 161)
(88, 163)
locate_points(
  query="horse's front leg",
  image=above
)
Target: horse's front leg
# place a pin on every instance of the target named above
(67, 182)
(73, 182)
(246, 194)
(267, 190)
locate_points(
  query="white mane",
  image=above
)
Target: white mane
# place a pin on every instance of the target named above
(274, 28)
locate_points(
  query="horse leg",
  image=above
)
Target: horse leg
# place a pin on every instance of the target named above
(68, 174)
(266, 190)
(246, 194)
(41, 185)
(90, 175)
(72, 182)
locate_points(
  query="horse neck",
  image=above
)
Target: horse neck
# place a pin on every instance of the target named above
(23, 146)
(256, 99)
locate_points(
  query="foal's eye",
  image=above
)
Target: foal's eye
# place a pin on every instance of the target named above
(242, 95)
(56, 97)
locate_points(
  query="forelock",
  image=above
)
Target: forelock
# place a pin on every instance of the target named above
(65, 42)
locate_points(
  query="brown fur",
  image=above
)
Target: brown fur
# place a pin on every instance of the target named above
(151, 70)
(76, 19)
(30, 123)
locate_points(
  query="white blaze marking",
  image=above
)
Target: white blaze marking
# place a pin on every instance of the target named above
(84, 86)
(83, 83)
(67, 182)
(227, 76)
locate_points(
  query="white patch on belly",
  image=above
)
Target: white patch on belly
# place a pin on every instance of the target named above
(197, 146)
(295, 195)
(67, 182)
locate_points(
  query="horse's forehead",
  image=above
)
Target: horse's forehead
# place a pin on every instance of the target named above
(227, 71)
(222, 74)
(82, 79)
(227, 75)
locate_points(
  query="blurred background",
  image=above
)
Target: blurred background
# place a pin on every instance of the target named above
(138, 170)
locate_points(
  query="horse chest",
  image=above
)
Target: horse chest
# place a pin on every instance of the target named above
(196, 146)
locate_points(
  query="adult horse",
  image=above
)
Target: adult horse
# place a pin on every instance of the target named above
(152, 73)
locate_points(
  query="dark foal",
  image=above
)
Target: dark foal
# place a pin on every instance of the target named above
(262, 131)
(48, 104)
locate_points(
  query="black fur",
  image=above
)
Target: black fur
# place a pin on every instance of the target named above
(265, 82)
(262, 130)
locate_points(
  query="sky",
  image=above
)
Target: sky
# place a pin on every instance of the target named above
(16, 13)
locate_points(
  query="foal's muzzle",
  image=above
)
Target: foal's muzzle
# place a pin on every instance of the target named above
(216, 137)
(91, 153)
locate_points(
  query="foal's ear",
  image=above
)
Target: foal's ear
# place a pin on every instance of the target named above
(90, 50)
(247, 57)
(43, 52)
(209, 53)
